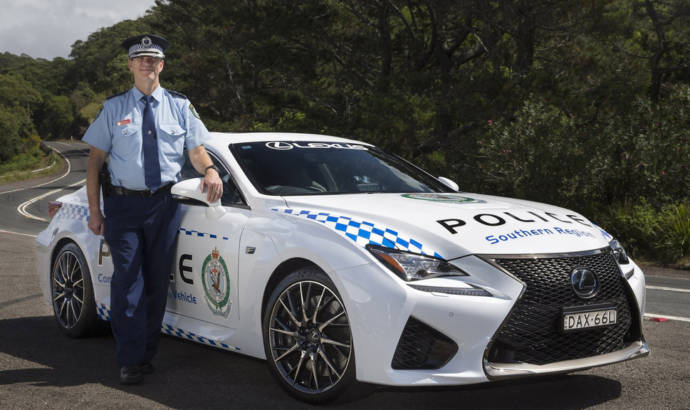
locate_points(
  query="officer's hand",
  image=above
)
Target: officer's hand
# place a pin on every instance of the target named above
(96, 222)
(213, 184)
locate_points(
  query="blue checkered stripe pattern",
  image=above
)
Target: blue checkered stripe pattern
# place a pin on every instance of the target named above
(363, 232)
(71, 211)
(104, 314)
(197, 234)
(174, 331)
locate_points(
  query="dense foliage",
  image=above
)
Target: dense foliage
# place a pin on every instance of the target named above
(582, 104)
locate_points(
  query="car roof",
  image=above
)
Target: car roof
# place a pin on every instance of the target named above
(221, 140)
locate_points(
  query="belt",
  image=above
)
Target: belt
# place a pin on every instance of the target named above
(144, 193)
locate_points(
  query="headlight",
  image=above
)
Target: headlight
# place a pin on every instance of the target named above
(413, 266)
(619, 253)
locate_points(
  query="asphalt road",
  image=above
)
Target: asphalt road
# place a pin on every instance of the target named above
(39, 367)
(33, 196)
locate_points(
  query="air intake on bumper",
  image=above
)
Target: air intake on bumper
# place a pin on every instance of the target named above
(422, 347)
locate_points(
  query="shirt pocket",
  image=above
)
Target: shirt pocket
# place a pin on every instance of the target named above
(172, 131)
(172, 139)
(127, 142)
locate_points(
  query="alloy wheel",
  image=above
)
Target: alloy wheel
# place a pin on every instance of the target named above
(309, 336)
(67, 289)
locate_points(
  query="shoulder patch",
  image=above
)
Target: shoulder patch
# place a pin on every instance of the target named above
(177, 94)
(193, 110)
(116, 95)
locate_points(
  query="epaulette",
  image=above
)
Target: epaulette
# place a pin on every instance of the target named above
(178, 94)
(115, 95)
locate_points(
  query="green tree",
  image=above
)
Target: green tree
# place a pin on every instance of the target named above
(15, 91)
(55, 117)
(18, 99)
(16, 133)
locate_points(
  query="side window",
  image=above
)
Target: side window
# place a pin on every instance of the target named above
(231, 195)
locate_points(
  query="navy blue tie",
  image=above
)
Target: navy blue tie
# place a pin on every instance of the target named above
(152, 167)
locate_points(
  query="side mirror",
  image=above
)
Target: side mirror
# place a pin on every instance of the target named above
(447, 182)
(190, 189)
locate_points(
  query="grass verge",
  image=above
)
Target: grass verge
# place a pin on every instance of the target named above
(34, 164)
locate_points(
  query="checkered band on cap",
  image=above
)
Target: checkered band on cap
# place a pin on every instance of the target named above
(146, 47)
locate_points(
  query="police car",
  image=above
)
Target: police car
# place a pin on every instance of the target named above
(338, 262)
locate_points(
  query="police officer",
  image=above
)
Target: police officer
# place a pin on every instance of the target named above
(143, 133)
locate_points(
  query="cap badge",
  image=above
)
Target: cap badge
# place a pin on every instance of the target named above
(146, 41)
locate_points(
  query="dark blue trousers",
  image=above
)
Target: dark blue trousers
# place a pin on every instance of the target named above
(141, 233)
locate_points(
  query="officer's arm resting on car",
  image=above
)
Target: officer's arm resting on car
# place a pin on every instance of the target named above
(203, 165)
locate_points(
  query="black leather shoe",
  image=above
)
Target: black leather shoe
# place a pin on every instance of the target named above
(147, 368)
(131, 375)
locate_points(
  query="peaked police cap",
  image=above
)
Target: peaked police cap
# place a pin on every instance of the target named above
(145, 45)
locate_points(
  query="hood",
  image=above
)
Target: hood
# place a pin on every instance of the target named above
(451, 225)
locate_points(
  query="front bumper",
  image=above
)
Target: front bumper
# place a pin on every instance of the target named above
(381, 309)
(380, 306)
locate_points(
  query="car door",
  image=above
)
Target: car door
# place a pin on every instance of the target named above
(204, 281)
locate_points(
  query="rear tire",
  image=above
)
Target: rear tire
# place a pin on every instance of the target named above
(307, 337)
(71, 293)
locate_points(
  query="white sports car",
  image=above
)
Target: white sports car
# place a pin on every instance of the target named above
(336, 262)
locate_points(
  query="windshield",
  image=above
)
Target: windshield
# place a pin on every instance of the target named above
(325, 168)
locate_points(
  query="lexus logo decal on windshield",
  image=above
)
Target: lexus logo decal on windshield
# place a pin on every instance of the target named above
(279, 145)
(284, 146)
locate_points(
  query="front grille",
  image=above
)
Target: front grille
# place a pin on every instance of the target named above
(532, 333)
(422, 347)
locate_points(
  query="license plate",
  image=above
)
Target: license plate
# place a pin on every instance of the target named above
(585, 319)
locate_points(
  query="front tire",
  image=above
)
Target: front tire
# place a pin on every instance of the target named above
(72, 293)
(307, 337)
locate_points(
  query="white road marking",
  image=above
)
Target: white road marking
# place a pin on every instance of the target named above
(41, 169)
(17, 233)
(69, 167)
(667, 288)
(678, 318)
(22, 207)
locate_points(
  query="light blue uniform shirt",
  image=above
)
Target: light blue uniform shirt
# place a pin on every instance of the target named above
(117, 131)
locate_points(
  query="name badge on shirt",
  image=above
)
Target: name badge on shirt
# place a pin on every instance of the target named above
(124, 122)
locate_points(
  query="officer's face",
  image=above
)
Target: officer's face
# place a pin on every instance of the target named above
(146, 67)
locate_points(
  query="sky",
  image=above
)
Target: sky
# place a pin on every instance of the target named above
(48, 28)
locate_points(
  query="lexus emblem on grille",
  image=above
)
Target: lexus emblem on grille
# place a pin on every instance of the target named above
(585, 283)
